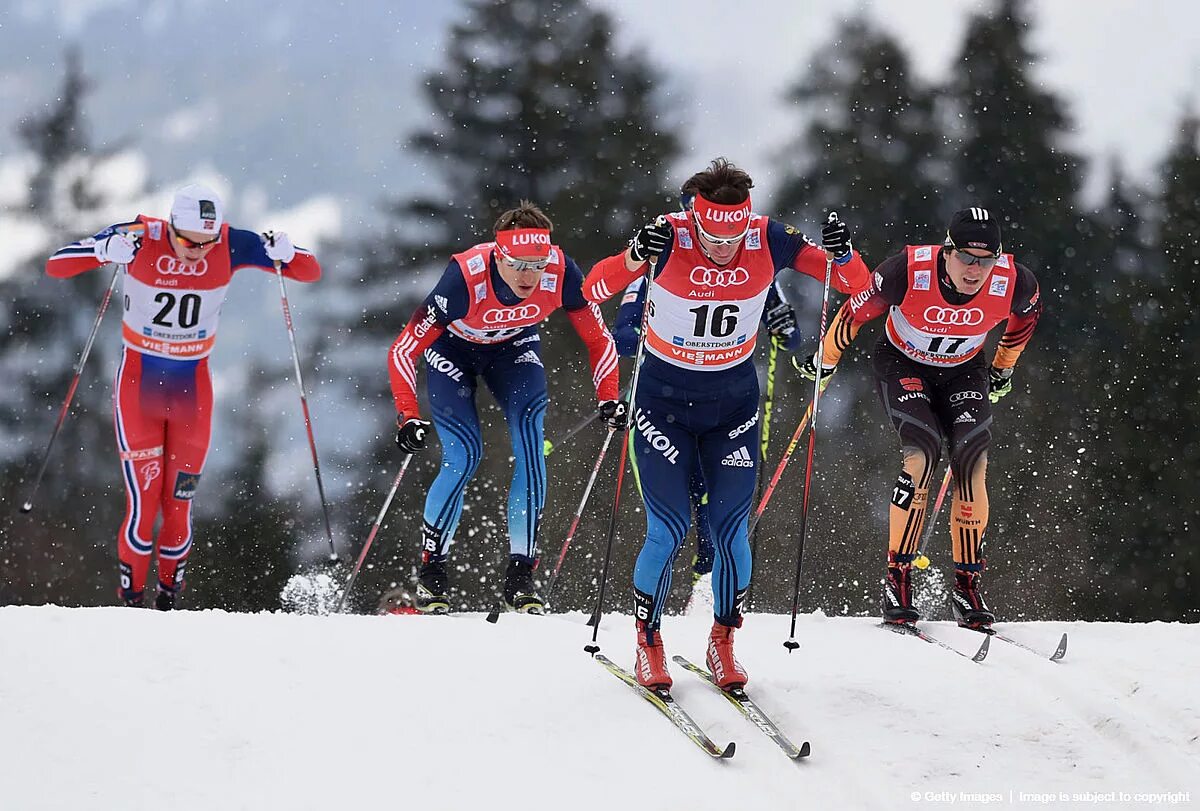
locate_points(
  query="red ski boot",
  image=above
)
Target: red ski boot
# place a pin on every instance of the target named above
(726, 670)
(651, 663)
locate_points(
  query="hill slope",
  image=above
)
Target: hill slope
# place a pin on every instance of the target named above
(111, 708)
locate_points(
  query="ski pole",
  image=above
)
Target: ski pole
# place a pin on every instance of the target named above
(548, 446)
(783, 463)
(764, 444)
(594, 648)
(66, 406)
(921, 561)
(791, 644)
(374, 529)
(312, 443)
(587, 492)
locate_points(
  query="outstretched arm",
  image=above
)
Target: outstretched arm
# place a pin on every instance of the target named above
(262, 251)
(117, 243)
(588, 321)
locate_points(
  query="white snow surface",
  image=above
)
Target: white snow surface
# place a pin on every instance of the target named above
(105, 708)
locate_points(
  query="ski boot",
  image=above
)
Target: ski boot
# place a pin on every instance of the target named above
(897, 592)
(520, 593)
(650, 661)
(131, 598)
(164, 600)
(432, 587)
(969, 608)
(397, 601)
(727, 672)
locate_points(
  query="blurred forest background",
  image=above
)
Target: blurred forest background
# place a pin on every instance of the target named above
(1093, 473)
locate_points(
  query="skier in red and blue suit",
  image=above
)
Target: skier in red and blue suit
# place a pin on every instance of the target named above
(697, 395)
(481, 320)
(177, 274)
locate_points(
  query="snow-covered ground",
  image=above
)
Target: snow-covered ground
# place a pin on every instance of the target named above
(109, 708)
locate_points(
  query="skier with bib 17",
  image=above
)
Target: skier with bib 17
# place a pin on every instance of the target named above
(481, 320)
(697, 394)
(941, 301)
(177, 274)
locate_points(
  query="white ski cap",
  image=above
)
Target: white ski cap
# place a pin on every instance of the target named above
(197, 208)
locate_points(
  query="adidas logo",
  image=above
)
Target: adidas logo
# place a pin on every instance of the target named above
(964, 417)
(529, 357)
(442, 304)
(739, 458)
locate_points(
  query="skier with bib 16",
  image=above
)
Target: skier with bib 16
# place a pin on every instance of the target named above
(697, 394)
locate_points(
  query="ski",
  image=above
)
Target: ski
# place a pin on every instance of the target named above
(1058, 654)
(667, 705)
(738, 698)
(911, 630)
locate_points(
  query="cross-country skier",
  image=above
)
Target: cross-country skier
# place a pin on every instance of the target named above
(941, 301)
(779, 320)
(177, 274)
(697, 394)
(481, 320)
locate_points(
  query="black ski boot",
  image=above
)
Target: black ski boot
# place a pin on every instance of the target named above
(969, 608)
(165, 599)
(520, 594)
(432, 588)
(897, 593)
(131, 598)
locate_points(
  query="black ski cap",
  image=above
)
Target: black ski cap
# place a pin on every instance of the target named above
(974, 227)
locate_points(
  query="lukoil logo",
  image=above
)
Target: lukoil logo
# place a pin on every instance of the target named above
(439, 363)
(170, 266)
(655, 438)
(504, 315)
(711, 277)
(527, 238)
(737, 215)
(955, 316)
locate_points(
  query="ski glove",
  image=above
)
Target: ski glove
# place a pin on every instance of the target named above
(808, 369)
(118, 248)
(835, 238)
(999, 383)
(410, 436)
(781, 320)
(615, 413)
(279, 246)
(651, 240)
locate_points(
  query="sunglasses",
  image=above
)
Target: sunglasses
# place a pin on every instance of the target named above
(984, 262)
(184, 242)
(522, 266)
(717, 240)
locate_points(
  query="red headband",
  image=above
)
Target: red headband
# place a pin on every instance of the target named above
(524, 242)
(722, 220)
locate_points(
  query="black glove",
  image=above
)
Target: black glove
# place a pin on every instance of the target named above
(999, 383)
(651, 240)
(808, 369)
(781, 320)
(615, 413)
(835, 237)
(410, 435)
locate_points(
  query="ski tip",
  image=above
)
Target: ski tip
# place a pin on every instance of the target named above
(791, 644)
(805, 751)
(26, 507)
(982, 653)
(1061, 650)
(493, 617)
(728, 751)
(591, 649)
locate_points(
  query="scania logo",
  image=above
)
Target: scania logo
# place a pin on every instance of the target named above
(504, 315)
(711, 277)
(170, 266)
(954, 316)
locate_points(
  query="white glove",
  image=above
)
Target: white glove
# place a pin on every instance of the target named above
(117, 248)
(279, 246)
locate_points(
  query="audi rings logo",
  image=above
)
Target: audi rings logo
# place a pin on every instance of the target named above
(954, 316)
(959, 396)
(711, 277)
(170, 266)
(505, 315)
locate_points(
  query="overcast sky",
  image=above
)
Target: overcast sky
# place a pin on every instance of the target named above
(1126, 94)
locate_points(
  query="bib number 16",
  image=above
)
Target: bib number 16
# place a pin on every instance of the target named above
(721, 324)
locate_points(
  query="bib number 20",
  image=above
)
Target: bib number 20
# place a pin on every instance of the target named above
(721, 324)
(188, 309)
